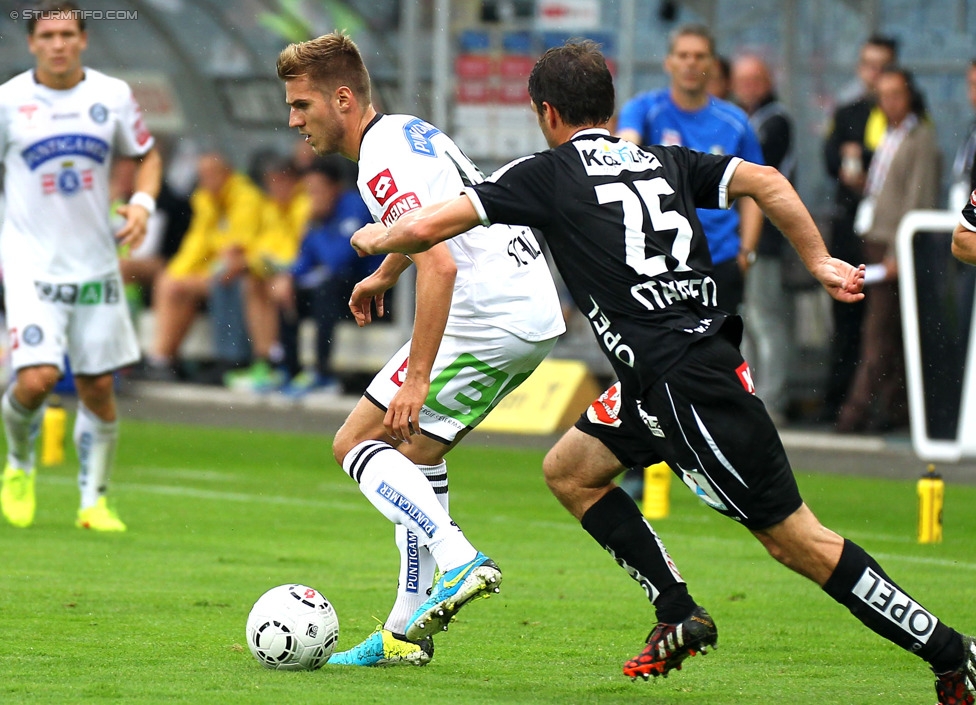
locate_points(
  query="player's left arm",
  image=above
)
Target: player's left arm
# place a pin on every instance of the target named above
(436, 273)
(418, 230)
(149, 177)
(780, 202)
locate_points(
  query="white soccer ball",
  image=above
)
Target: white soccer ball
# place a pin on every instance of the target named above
(292, 628)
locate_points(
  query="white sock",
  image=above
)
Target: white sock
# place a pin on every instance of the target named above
(21, 426)
(399, 490)
(95, 441)
(416, 564)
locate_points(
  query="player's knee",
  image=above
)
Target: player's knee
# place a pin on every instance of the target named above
(35, 383)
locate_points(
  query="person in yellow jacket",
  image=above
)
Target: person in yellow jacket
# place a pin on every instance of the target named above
(209, 266)
(284, 215)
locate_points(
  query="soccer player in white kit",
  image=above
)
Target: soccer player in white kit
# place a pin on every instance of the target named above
(61, 124)
(487, 314)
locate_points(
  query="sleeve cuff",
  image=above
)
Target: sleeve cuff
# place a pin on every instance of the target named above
(966, 224)
(478, 207)
(723, 187)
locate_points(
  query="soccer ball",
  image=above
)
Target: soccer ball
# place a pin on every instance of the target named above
(292, 628)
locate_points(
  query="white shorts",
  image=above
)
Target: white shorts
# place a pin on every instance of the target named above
(471, 374)
(87, 321)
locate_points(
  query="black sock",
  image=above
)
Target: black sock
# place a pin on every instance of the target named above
(862, 586)
(617, 524)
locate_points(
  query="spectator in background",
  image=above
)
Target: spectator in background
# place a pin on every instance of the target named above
(284, 216)
(319, 283)
(719, 78)
(209, 267)
(857, 129)
(904, 175)
(685, 114)
(768, 304)
(964, 165)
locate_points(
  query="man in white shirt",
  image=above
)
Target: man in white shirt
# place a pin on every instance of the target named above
(487, 314)
(61, 124)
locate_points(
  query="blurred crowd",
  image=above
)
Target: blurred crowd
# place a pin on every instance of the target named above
(254, 254)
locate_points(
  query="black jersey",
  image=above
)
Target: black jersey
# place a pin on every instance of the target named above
(620, 223)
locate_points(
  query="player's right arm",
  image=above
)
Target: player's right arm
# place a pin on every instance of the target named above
(781, 203)
(419, 230)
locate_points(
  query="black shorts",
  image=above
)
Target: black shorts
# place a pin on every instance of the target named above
(704, 419)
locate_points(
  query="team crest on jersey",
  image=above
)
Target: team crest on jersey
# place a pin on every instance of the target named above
(98, 113)
(400, 376)
(28, 110)
(382, 186)
(32, 335)
(419, 135)
(972, 199)
(605, 409)
(745, 377)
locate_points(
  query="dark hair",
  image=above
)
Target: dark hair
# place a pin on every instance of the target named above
(885, 42)
(51, 9)
(575, 80)
(917, 98)
(692, 30)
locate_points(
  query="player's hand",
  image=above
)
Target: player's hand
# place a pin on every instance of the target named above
(842, 281)
(364, 294)
(365, 240)
(134, 231)
(403, 414)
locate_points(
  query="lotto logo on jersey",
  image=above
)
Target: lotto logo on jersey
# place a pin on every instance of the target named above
(400, 376)
(745, 376)
(972, 199)
(404, 204)
(605, 409)
(382, 186)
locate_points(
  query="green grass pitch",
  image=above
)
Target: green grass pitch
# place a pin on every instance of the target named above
(216, 517)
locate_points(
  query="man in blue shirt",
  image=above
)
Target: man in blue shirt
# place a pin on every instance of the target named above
(685, 114)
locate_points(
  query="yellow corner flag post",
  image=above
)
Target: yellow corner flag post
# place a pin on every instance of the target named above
(657, 491)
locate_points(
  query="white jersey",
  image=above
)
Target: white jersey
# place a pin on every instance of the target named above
(57, 147)
(503, 280)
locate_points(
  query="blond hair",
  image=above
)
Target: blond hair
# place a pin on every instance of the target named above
(329, 61)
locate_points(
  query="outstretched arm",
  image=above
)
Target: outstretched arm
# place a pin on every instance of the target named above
(781, 203)
(418, 230)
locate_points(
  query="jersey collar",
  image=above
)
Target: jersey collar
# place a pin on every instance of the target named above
(591, 131)
(372, 122)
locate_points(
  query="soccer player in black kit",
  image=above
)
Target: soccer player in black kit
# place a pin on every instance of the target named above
(620, 222)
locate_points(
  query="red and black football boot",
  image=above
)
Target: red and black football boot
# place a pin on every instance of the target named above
(670, 644)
